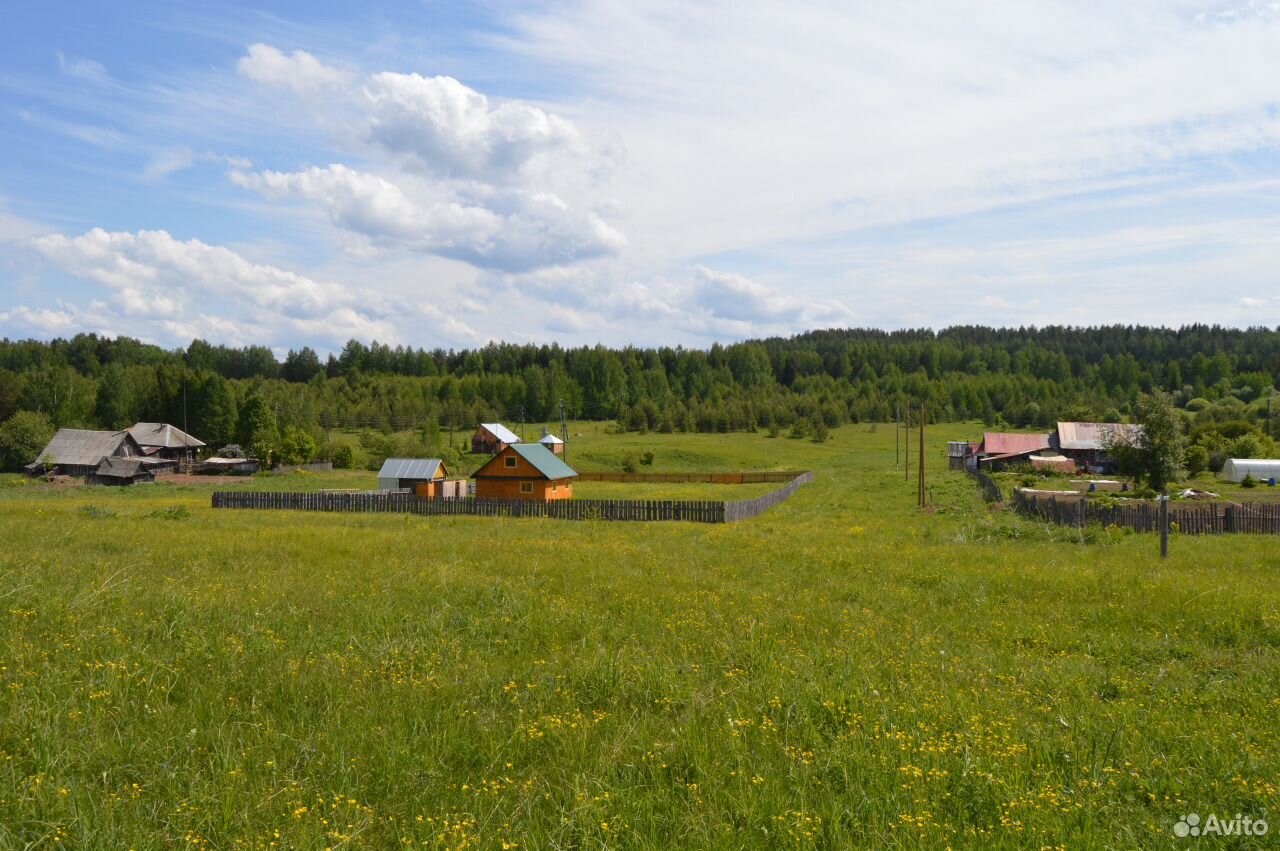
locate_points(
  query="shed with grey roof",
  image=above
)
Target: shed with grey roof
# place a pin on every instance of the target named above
(399, 474)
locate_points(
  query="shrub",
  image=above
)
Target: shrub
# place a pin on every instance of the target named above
(629, 463)
(1248, 481)
(646, 458)
(22, 436)
(1196, 459)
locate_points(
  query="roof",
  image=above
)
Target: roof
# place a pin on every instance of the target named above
(544, 460)
(122, 468)
(501, 432)
(549, 439)
(163, 434)
(1005, 443)
(81, 448)
(1091, 435)
(410, 468)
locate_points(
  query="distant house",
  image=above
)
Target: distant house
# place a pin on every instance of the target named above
(554, 444)
(79, 452)
(1084, 442)
(122, 471)
(491, 438)
(525, 471)
(163, 441)
(1003, 449)
(423, 476)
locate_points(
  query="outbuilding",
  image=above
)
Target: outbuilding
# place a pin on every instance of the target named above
(525, 471)
(78, 452)
(122, 471)
(422, 476)
(554, 444)
(1259, 469)
(491, 438)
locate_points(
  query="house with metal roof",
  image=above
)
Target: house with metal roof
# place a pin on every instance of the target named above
(525, 471)
(491, 438)
(1000, 449)
(553, 443)
(419, 475)
(161, 440)
(78, 452)
(1085, 443)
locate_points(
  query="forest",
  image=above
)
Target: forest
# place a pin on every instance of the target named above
(808, 382)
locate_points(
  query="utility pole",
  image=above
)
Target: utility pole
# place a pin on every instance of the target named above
(1164, 524)
(897, 415)
(564, 433)
(920, 471)
(906, 443)
(184, 407)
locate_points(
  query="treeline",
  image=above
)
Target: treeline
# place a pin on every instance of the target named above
(1022, 376)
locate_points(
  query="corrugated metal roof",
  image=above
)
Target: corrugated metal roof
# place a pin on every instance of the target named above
(163, 434)
(501, 432)
(544, 460)
(1091, 435)
(550, 439)
(81, 448)
(1004, 443)
(410, 468)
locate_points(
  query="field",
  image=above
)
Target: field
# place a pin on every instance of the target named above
(843, 671)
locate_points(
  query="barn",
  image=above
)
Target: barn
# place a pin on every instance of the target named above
(161, 441)
(491, 438)
(1259, 469)
(423, 476)
(122, 471)
(525, 471)
(78, 452)
(1003, 449)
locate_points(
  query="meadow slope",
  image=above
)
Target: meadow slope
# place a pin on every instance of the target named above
(844, 671)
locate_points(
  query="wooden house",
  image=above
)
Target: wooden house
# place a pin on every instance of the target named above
(492, 438)
(79, 452)
(162, 441)
(525, 471)
(122, 471)
(1084, 442)
(1003, 449)
(423, 476)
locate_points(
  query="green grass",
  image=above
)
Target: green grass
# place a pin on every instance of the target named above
(843, 671)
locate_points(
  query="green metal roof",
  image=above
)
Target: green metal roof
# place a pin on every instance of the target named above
(542, 458)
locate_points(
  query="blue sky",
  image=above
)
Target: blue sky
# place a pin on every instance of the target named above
(444, 174)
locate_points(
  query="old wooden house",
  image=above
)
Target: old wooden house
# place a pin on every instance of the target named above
(78, 452)
(161, 441)
(525, 471)
(1085, 443)
(122, 471)
(491, 438)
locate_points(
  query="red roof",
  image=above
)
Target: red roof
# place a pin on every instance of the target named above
(1004, 443)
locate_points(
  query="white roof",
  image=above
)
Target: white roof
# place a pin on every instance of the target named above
(550, 438)
(1260, 468)
(501, 432)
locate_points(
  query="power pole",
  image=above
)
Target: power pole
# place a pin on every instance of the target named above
(897, 415)
(564, 433)
(920, 472)
(1164, 524)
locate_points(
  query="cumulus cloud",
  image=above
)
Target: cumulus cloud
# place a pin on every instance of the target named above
(298, 71)
(449, 129)
(727, 295)
(152, 276)
(513, 230)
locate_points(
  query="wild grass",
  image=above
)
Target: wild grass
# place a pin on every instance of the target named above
(843, 671)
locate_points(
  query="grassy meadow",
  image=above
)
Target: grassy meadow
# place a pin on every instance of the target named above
(845, 671)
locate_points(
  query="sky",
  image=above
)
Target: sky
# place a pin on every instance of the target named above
(443, 174)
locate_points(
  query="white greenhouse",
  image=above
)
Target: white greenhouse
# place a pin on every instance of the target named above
(1261, 469)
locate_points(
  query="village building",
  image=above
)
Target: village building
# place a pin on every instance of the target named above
(1005, 449)
(161, 441)
(554, 444)
(492, 438)
(425, 477)
(1085, 443)
(525, 471)
(79, 452)
(123, 471)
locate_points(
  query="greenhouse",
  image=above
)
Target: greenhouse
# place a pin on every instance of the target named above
(1261, 469)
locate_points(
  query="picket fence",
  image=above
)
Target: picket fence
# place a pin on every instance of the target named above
(1144, 516)
(379, 502)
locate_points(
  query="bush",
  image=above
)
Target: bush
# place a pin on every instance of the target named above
(646, 458)
(1196, 459)
(1248, 481)
(629, 463)
(22, 436)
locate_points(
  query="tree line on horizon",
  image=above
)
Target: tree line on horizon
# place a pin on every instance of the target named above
(1024, 377)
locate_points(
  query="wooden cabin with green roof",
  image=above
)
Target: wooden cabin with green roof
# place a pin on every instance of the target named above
(525, 471)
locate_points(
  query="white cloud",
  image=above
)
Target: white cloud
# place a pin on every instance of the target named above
(299, 71)
(83, 69)
(451, 130)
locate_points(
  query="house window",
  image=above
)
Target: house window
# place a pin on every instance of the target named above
(511, 461)
(526, 487)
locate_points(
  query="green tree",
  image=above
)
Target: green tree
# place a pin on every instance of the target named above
(1196, 459)
(257, 432)
(22, 436)
(1156, 452)
(296, 446)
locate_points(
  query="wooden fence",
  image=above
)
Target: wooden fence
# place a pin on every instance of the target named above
(712, 478)
(1144, 516)
(990, 490)
(688, 510)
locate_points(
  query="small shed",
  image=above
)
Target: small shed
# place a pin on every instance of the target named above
(163, 441)
(78, 452)
(491, 438)
(554, 444)
(1001, 449)
(1260, 469)
(420, 475)
(122, 471)
(525, 471)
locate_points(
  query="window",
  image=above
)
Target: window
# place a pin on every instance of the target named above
(511, 462)
(526, 487)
